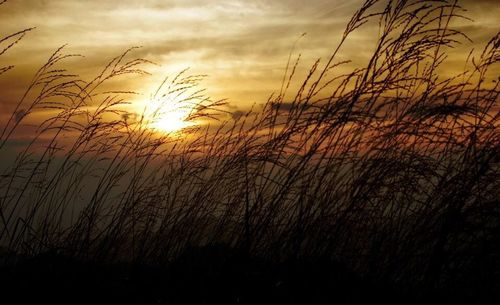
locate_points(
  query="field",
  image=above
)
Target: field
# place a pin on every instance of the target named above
(382, 182)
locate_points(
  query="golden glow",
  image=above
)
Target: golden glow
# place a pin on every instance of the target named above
(171, 122)
(245, 55)
(169, 116)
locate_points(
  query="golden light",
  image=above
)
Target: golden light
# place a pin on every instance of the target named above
(169, 117)
(174, 106)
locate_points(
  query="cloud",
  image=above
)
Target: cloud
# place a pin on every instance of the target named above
(242, 44)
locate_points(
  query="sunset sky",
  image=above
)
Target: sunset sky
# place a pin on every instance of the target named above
(242, 45)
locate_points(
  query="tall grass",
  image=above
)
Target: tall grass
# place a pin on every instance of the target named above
(391, 169)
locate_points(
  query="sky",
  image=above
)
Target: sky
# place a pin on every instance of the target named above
(242, 45)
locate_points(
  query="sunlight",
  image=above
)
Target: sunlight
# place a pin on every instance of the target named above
(171, 121)
(169, 115)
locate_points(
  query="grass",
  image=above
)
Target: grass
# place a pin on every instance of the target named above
(391, 169)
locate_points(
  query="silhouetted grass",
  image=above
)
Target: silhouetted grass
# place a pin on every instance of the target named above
(391, 170)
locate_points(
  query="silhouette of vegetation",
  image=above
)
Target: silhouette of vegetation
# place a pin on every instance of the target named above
(390, 170)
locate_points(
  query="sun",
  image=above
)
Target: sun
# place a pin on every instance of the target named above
(171, 120)
(168, 116)
(174, 106)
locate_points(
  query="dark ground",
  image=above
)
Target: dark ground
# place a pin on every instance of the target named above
(207, 276)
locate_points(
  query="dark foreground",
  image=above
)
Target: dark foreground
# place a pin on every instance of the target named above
(213, 276)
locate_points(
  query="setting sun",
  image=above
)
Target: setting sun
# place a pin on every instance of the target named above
(171, 120)
(169, 116)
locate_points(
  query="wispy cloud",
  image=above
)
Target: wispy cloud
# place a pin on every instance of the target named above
(243, 45)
